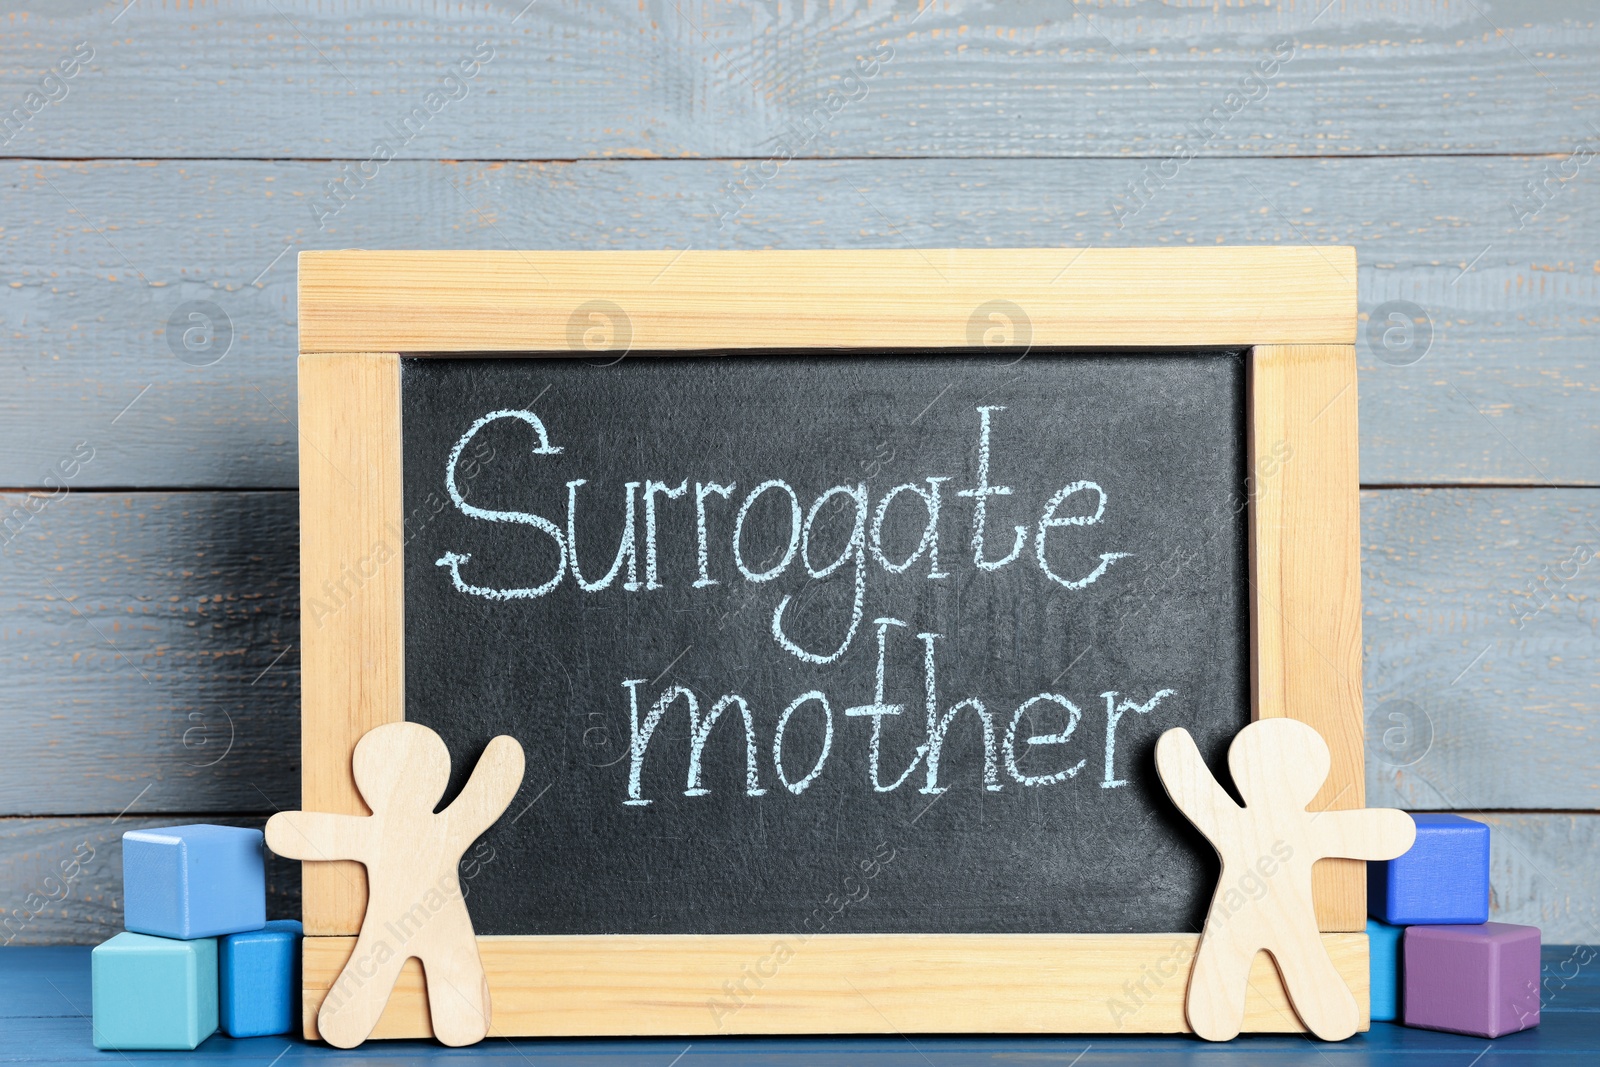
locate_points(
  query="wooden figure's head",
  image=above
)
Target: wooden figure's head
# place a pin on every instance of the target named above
(401, 767)
(1278, 762)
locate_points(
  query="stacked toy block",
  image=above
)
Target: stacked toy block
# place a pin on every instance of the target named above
(198, 950)
(1438, 963)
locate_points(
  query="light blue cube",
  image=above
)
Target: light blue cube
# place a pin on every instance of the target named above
(193, 881)
(258, 979)
(153, 992)
(1383, 955)
(1442, 880)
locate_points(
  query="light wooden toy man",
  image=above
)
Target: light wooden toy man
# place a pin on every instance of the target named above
(1268, 846)
(414, 903)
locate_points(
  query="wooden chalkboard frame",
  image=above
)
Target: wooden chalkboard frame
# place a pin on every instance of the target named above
(1293, 307)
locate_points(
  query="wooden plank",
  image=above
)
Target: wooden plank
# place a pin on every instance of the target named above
(87, 335)
(352, 543)
(565, 79)
(63, 876)
(1543, 874)
(45, 995)
(427, 302)
(1481, 620)
(528, 300)
(150, 653)
(1305, 557)
(198, 591)
(834, 983)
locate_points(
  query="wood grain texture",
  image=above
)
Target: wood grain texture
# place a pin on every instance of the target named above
(352, 538)
(533, 301)
(1481, 624)
(569, 79)
(1269, 848)
(103, 255)
(422, 302)
(47, 900)
(150, 651)
(1542, 875)
(836, 983)
(45, 992)
(199, 592)
(1305, 561)
(1441, 570)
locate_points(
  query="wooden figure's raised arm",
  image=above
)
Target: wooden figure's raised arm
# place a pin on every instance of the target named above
(1191, 785)
(1362, 834)
(495, 780)
(316, 835)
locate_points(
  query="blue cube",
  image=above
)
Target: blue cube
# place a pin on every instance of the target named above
(258, 976)
(153, 992)
(1442, 880)
(193, 881)
(1383, 957)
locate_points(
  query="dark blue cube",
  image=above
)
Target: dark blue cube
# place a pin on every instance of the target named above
(1442, 880)
(259, 978)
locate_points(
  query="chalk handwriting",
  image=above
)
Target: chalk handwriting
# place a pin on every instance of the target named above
(753, 537)
(1000, 750)
(865, 545)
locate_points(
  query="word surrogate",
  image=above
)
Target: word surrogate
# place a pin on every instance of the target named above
(865, 538)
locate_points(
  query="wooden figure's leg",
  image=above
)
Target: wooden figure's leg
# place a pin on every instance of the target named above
(458, 991)
(1317, 992)
(1217, 986)
(352, 1006)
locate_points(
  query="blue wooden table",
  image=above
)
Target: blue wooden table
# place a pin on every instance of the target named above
(44, 1007)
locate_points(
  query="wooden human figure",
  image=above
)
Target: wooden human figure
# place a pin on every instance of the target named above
(415, 907)
(1268, 846)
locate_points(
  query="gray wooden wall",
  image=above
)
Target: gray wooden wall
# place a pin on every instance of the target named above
(148, 609)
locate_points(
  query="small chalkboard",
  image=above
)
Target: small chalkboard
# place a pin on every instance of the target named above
(837, 601)
(759, 620)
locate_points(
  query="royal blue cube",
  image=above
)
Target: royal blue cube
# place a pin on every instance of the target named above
(258, 979)
(153, 992)
(1383, 956)
(193, 881)
(1442, 880)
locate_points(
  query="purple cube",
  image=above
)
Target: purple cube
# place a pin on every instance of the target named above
(1479, 980)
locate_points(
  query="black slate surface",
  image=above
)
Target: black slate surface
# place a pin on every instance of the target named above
(1161, 434)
